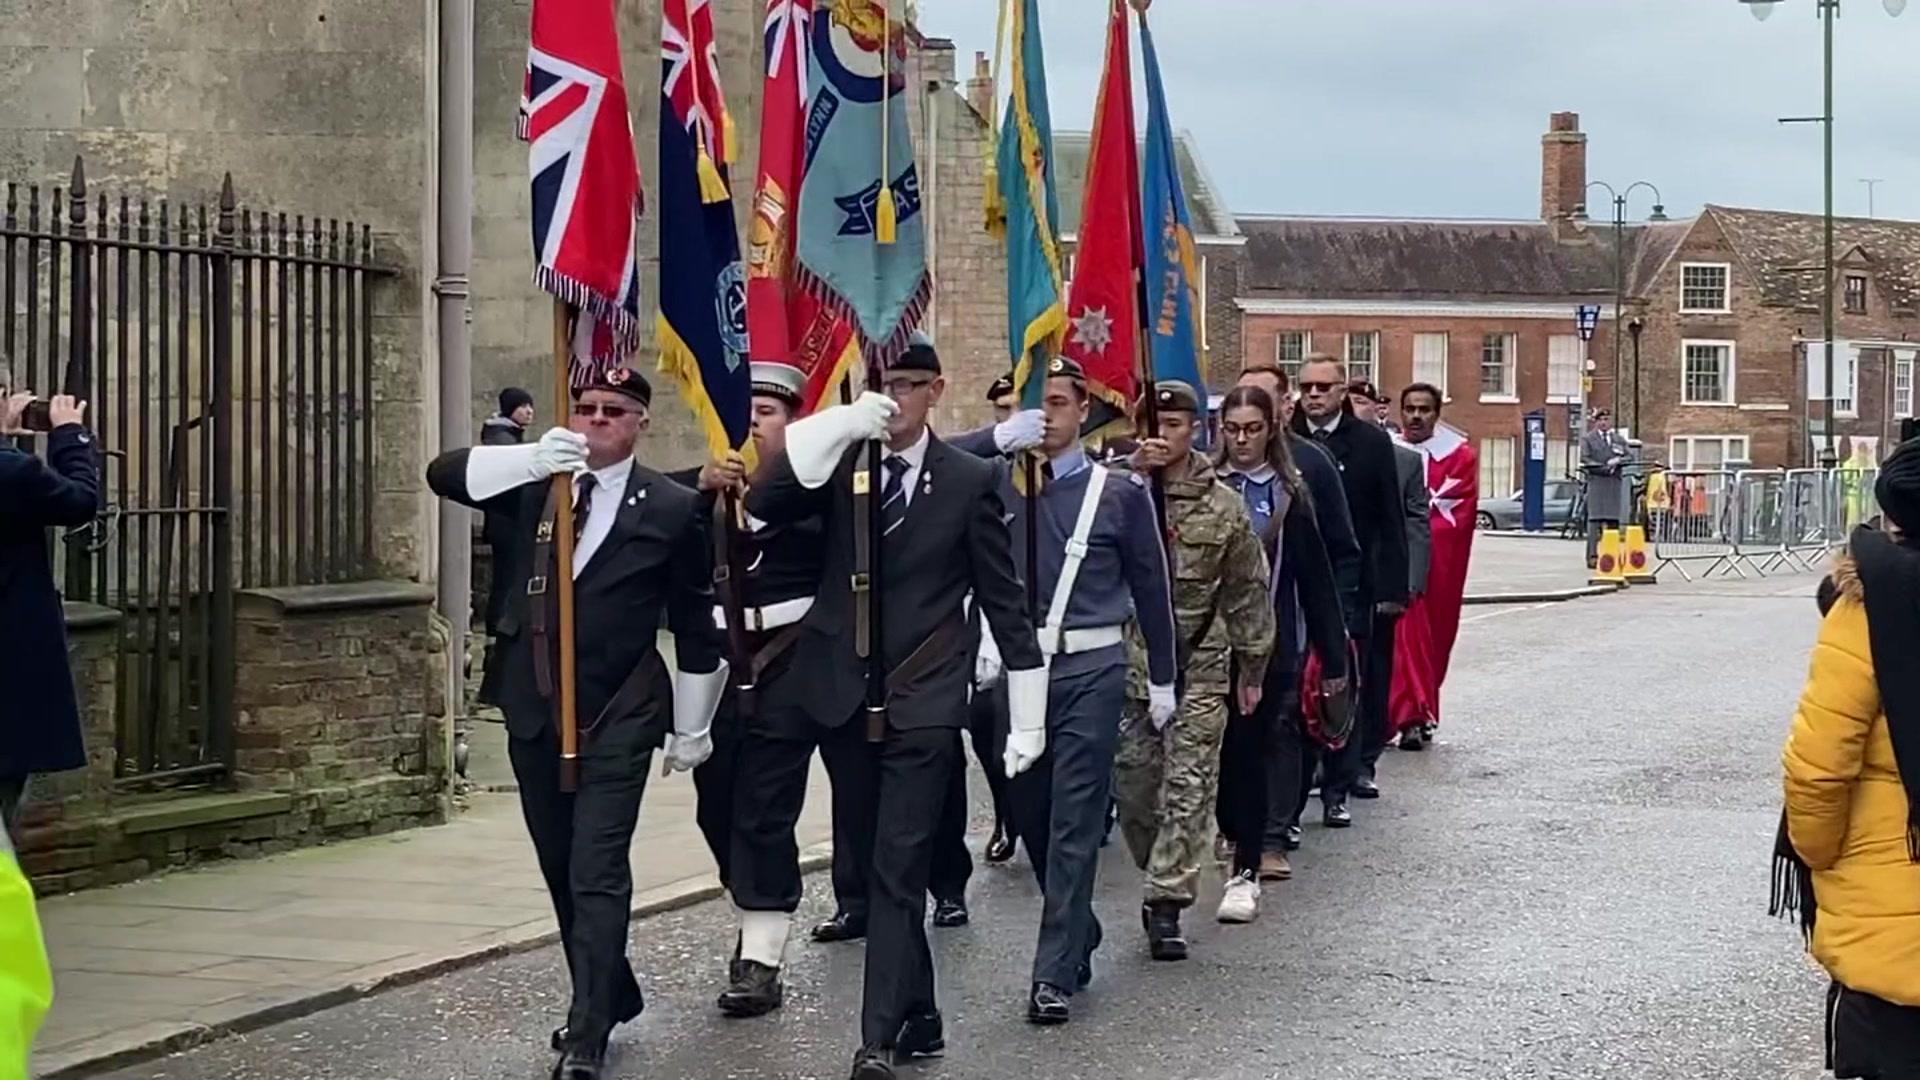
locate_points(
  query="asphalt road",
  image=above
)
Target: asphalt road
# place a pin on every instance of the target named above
(1572, 885)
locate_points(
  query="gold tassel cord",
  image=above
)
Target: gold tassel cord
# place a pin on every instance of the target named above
(885, 214)
(995, 207)
(713, 189)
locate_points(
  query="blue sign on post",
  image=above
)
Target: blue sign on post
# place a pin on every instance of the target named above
(1533, 487)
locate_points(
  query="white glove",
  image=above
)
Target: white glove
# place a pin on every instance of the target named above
(1161, 705)
(1021, 431)
(695, 697)
(1027, 719)
(815, 445)
(494, 469)
(987, 665)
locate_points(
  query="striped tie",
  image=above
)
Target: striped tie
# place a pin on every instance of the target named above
(893, 496)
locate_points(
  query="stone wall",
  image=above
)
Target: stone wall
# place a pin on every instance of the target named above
(316, 109)
(341, 732)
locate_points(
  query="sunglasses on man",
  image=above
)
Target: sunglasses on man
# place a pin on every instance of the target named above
(588, 409)
(1318, 387)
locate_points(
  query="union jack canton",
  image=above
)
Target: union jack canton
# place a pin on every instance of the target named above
(585, 178)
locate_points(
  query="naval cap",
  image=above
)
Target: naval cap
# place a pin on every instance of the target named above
(777, 380)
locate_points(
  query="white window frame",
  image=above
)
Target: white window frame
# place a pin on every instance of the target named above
(1509, 393)
(1904, 370)
(1501, 487)
(1292, 367)
(1733, 367)
(1569, 390)
(1726, 288)
(1727, 442)
(1846, 404)
(1372, 338)
(1446, 355)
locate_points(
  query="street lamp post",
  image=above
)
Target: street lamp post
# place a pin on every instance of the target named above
(1620, 271)
(1828, 11)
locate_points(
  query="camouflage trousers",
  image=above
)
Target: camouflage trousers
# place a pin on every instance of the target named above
(1165, 782)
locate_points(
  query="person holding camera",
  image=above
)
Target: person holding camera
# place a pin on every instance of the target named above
(40, 732)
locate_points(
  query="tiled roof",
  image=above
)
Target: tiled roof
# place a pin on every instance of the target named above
(1783, 253)
(1070, 152)
(1415, 259)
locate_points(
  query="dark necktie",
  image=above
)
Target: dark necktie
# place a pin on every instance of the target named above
(582, 506)
(893, 495)
(1320, 434)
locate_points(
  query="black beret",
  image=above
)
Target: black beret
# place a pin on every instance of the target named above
(1176, 396)
(1061, 367)
(1001, 387)
(1367, 390)
(918, 357)
(619, 379)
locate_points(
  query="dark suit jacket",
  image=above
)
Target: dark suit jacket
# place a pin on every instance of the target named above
(954, 539)
(1335, 522)
(656, 560)
(40, 722)
(497, 529)
(1371, 477)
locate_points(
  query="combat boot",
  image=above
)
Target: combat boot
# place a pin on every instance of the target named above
(1164, 940)
(755, 991)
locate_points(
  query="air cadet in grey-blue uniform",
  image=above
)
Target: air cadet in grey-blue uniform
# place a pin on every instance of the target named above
(1119, 574)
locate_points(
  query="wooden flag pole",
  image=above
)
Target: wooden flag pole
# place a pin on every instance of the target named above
(563, 556)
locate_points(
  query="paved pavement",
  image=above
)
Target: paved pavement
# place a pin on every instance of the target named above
(173, 958)
(1572, 885)
(1510, 564)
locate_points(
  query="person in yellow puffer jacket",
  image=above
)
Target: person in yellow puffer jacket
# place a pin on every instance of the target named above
(1848, 860)
(26, 983)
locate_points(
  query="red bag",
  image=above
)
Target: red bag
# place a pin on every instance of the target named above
(1328, 720)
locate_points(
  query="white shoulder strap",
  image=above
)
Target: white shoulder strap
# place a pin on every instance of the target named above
(1076, 553)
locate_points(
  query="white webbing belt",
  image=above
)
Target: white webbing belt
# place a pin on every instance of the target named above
(1053, 639)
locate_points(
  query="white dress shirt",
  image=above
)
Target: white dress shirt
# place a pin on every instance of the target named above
(1326, 428)
(609, 488)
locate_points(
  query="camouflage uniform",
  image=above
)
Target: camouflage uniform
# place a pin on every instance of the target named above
(1166, 781)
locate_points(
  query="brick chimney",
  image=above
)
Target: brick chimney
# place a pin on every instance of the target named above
(980, 87)
(1563, 167)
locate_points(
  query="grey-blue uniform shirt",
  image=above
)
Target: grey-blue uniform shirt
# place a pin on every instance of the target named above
(1124, 574)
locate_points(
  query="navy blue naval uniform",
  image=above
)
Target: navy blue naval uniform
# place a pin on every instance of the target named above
(1060, 804)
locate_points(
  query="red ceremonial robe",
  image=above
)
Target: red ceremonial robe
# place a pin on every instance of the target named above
(1423, 645)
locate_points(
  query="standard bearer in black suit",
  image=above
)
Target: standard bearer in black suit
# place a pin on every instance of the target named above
(944, 535)
(640, 551)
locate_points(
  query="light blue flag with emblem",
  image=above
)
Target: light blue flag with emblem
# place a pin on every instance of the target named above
(856, 134)
(1171, 276)
(1027, 211)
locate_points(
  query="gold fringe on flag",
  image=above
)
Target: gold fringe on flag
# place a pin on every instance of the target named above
(712, 188)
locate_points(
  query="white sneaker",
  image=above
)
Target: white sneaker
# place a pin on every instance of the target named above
(1242, 899)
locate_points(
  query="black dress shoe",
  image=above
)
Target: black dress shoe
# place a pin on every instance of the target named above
(562, 1035)
(1000, 848)
(842, 927)
(922, 1035)
(1048, 1005)
(1164, 939)
(756, 990)
(1365, 788)
(873, 1063)
(948, 914)
(580, 1063)
(1292, 839)
(1337, 816)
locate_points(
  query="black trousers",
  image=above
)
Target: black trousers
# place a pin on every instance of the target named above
(583, 841)
(911, 777)
(952, 862)
(1061, 807)
(1376, 726)
(770, 789)
(714, 788)
(1246, 757)
(1870, 1038)
(987, 726)
(1339, 768)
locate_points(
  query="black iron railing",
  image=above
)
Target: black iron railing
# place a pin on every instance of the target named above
(227, 358)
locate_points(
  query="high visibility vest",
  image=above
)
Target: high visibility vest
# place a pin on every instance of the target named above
(26, 982)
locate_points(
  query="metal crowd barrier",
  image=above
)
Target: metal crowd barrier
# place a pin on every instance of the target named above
(1754, 522)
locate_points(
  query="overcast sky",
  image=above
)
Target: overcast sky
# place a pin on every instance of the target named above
(1436, 107)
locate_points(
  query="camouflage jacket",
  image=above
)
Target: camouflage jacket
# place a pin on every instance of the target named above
(1222, 603)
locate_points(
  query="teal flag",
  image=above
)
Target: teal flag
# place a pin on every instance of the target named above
(1171, 275)
(1027, 210)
